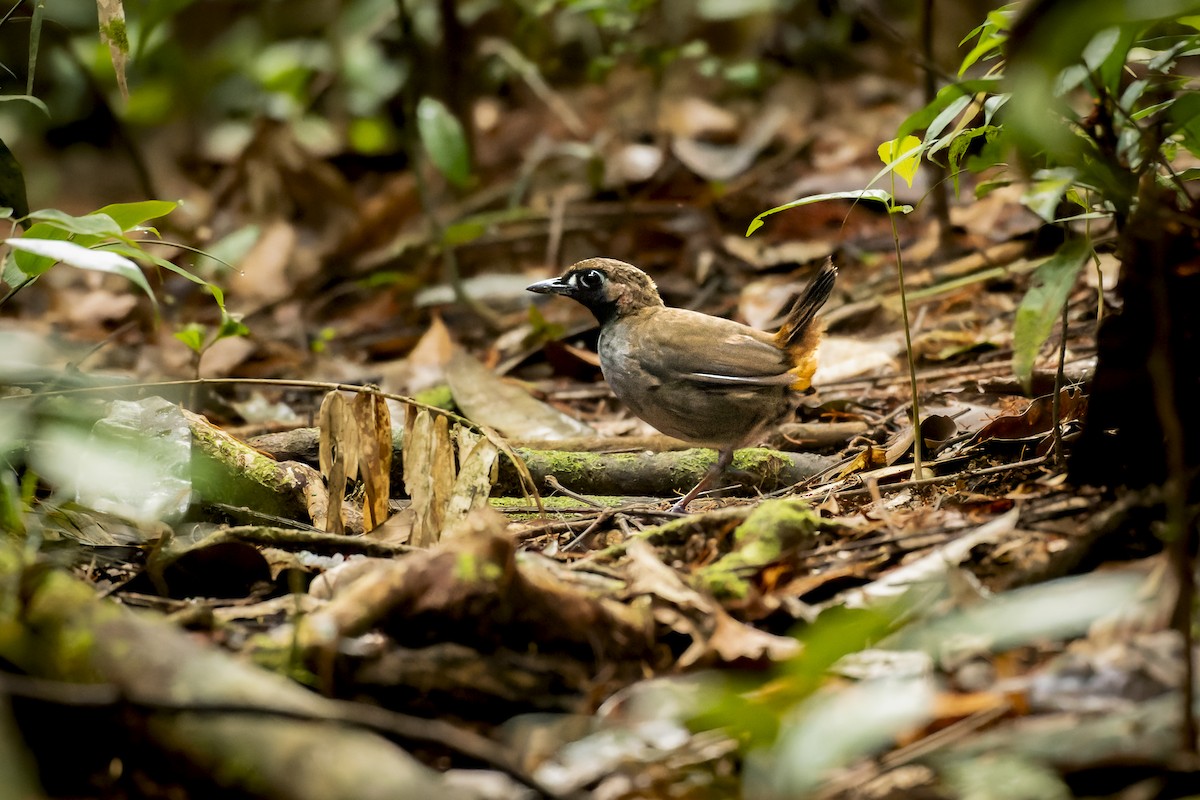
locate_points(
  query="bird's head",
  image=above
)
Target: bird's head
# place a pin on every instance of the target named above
(606, 287)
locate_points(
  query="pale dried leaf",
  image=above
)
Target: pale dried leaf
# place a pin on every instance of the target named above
(338, 453)
(716, 162)
(478, 458)
(262, 276)
(425, 365)
(428, 473)
(486, 399)
(843, 357)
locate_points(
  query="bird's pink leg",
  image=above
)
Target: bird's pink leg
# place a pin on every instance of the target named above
(724, 458)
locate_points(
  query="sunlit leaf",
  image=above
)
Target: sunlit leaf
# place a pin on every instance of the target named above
(1042, 305)
(1019, 776)
(443, 138)
(1105, 55)
(130, 215)
(135, 463)
(733, 9)
(988, 45)
(902, 155)
(814, 742)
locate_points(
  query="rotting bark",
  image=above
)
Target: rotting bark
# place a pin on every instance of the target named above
(61, 631)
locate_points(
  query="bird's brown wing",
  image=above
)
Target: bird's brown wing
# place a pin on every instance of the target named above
(677, 344)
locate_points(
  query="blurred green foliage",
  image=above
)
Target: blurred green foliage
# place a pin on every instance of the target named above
(341, 71)
(1086, 101)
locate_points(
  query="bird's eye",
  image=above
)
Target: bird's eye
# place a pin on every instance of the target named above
(591, 279)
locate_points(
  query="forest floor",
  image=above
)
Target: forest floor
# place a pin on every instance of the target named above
(835, 627)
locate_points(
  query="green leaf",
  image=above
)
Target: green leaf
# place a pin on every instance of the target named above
(28, 98)
(463, 232)
(130, 215)
(958, 148)
(1184, 115)
(987, 45)
(95, 224)
(1048, 190)
(992, 105)
(83, 258)
(231, 325)
(924, 117)
(12, 274)
(943, 119)
(137, 254)
(872, 195)
(33, 265)
(192, 335)
(1042, 305)
(443, 138)
(1106, 53)
(35, 39)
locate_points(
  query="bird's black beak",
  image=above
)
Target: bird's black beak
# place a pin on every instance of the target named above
(552, 286)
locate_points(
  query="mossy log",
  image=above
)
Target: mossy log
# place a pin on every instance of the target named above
(659, 474)
(577, 466)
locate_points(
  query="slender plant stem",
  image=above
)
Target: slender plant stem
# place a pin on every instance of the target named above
(918, 466)
(940, 188)
(1059, 381)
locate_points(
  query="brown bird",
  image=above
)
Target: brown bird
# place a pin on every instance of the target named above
(706, 380)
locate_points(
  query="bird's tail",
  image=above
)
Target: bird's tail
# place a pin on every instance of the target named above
(799, 335)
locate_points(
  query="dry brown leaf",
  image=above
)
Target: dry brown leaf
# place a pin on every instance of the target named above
(499, 404)
(720, 162)
(374, 424)
(262, 276)
(428, 472)
(425, 365)
(338, 453)
(713, 631)
(1037, 419)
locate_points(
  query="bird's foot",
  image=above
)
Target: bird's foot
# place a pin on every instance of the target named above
(680, 507)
